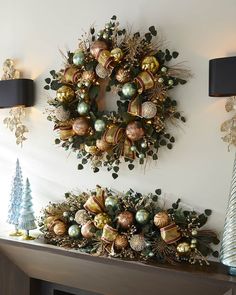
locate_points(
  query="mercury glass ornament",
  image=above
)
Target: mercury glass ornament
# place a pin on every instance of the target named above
(149, 110)
(150, 63)
(83, 108)
(129, 90)
(137, 243)
(81, 216)
(134, 131)
(117, 53)
(61, 114)
(74, 231)
(81, 126)
(142, 216)
(97, 47)
(99, 125)
(125, 219)
(78, 58)
(65, 94)
(111, 202)
(88, 230)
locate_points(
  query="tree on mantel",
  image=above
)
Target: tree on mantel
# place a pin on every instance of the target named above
(26, 218)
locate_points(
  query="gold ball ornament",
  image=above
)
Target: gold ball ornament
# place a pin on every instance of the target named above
(148, 110)
(81, 217)
(161, 219)
(65, 94)
(125, 219)
(122, 75)
(102, 145)
(117, 53)
(49, 222)
(97, 47)
(121, 242)
(101, 219)
(183, 248)
(88, 229)
(134, 131)
(91, 149)
(150, 63)
(137, 243)
(81, 126)
(59, 228)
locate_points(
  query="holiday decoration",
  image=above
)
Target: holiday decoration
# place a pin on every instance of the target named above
(128, 226)
(26, 218)
(132, 66)
(15, 200)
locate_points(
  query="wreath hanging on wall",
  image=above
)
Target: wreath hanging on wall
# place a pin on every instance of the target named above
(131, 66)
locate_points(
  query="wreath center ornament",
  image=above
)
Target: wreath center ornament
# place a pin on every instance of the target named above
(135, 68)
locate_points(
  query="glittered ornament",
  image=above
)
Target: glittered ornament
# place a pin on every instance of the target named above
(105, 59)
(112, 202)
(81, 126)
(134, 131)
(101, 219)
(109, 234)
(137, 243)
(129, 90)
(74, 231)
(88, 229)
(149, 110)
(83, 108)
(121, 242)
(99, 125)
(125, 219)
(161, 219)
(78, 58)
(145, 81)
(117, 53)
(81, 216)
(102, 145)
(150, 63)
(97, 47)
(61, 114)
(59, 228)
(91, 149)
(142, 216)
(88, 76)
(102, 72)
(122, 75)
(65, 94)
(183, 248)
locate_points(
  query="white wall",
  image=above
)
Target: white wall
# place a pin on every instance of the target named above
(198, 169)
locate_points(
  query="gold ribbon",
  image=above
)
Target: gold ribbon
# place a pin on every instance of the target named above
(135, 107)
(170, 233)
(113, 134)
(126, 150)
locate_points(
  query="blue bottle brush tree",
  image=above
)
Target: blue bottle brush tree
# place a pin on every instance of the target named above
(27, 218)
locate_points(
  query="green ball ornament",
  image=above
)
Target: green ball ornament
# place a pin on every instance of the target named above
(111, 202)
(83, 108)
(171, 82)
(78, 58)
(129, 90)
(74, 231)
(141, 156)
(142, 216)
(133, 148)
(99, 125)
(144, 145)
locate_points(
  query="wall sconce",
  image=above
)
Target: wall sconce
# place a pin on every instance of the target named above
(222, 82)
(15, 93)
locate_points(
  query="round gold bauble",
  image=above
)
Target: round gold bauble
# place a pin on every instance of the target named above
(81, 217)
(88, 230)
(161, 219)
(183, 248)
(65, 94)
(117, 53)
(121, 242)
(137, 243)
(148, 110)
(150, 63)
(81, 126)
(125, 219)
(59, 228)
(134, 131)
(88, 76)
(97, 47)
(101, 219)
(66, 133)
(91, 149)
(102, 145)
(122, 75)
(50, 221)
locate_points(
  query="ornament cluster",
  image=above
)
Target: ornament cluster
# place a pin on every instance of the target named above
(134, 68)
(131, 225)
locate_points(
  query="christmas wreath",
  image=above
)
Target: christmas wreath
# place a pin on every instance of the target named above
(131, 225)
(131, 66)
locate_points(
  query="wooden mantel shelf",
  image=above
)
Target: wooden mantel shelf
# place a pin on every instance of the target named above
(109, 276)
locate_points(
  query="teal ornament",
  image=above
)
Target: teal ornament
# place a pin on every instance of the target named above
(142, 216)
(129, 90)
(111, 202)
(78, 58)
(83, 108)
(99, 125)
(74, 231)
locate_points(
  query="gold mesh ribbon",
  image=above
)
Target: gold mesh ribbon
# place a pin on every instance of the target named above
(170, 233)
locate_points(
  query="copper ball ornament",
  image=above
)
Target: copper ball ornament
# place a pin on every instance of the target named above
(102, 145)
(65, 94)
(137, 242)
(101, 219)
(122, 75)
(125, 219)
(150, 63)
(121, 242)
(134, 131)
(59, 228)
(88, 229)
(148, 110)
(97, 47)
(81, 126)
(81, 216)
(161, 219)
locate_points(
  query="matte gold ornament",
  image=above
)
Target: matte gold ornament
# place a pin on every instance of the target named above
(137, 243)
(145, 81)
(183, 248)
(134, 131)
(125, 219)
(66, 132)
(71, 75)
(101, 219)
(49, 222)
(105, 59)
(61, 114)
(81, 217)
(88, 76)
(117, 53)
(149, 110)
(91, 149)
(109, 234)
(88, 229)
(122, 75)
(150, 63)
(81, 126)
(170, 233)
(65, 94)
(161, 219)
(102, 145)
(121, 242)
(97, 47)
(59, 228)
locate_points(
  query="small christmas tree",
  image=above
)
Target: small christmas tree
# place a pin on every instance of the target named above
(26, 218)
(15, 199)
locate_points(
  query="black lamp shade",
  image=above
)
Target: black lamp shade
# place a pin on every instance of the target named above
(16, 92)
(222, 76)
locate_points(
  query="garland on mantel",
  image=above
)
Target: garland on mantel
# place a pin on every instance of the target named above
(130, 226)
(138, 72)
